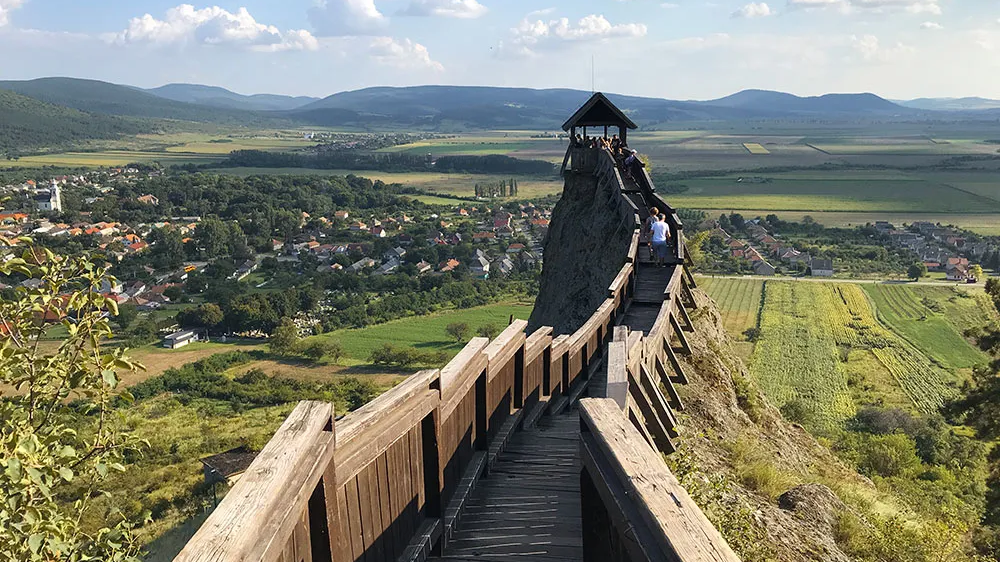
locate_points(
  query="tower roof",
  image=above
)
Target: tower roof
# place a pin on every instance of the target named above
(599, 111)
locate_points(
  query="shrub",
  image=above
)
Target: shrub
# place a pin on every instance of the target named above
(763, 477)
(746, 397)
(888, 455)
(797, 411)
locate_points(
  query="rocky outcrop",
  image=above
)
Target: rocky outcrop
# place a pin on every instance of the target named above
(584, 251)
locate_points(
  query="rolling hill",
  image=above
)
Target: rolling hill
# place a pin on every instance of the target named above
(26, 123)
(93, 96)
(952, 104)
(488, 107)
(215, 96)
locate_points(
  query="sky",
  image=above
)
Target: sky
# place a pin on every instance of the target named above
(681, 49)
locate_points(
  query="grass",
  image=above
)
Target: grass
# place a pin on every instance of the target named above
(905, 311)
(739, 303)
(426, 333)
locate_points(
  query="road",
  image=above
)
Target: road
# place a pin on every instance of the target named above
(838, 280)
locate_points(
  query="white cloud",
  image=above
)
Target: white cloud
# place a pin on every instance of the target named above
(466, 9)
(213, 26)
(5, 8)
(403, 54)
(531, 36)
(871, 49)
(347, 17)
(851, 6)
(931, 25)
(754, 10)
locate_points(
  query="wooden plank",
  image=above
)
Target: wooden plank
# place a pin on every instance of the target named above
(258, 516)
(633, 248)
(688, 324)
(668, 384)
(460, 374)
(678, 526)
(651, 417)
(685, 347)
(352, 493)
(616, 387)
(536, 343)
(368, 512)
(680, 377)
(384, 406)
(620, 280)
(378, 437)
(660, 406)
(502, 350)
(388, 532)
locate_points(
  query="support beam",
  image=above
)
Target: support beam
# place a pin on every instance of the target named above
(688, 324)
(668, 384)
(685, 347)
(680, 377)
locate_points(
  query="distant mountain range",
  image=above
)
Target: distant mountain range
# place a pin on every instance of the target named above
(215, 96)
(438, 108)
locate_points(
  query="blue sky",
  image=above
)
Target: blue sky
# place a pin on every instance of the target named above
(680, 49)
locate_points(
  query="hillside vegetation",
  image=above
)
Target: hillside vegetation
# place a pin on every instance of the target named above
(28, 123)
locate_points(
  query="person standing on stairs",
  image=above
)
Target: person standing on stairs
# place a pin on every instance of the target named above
(647, 229)
(661, 233)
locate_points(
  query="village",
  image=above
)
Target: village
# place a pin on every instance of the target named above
(475, 241)
(941, 249)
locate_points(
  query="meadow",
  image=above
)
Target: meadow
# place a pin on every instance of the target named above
(833, 347)
(425, 333)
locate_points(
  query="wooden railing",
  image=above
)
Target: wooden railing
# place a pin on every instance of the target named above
(390, 480)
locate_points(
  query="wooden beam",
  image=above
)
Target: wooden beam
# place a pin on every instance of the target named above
(680, 377)
(668, 384)
(460, 374)
(688, 324)
(259, 515)
(663, 411)
(651, 418)
(685, 347)
(678, 527)
(616, 387)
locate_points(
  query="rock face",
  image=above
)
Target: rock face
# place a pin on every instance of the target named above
(584, 251)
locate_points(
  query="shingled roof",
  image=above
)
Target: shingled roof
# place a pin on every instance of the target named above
(599, 111)
(231, 462)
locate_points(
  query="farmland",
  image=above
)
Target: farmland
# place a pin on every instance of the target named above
(739, 302)
(426, 333)
(755, 148)
(833, 347)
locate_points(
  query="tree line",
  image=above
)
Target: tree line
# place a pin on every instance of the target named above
(387, 162)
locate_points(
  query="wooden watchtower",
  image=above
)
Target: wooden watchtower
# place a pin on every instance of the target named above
(599, 112)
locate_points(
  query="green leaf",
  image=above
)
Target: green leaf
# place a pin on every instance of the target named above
(14, 469)
(66, 473)
(110, 377)
(102, 469)
(35, 542)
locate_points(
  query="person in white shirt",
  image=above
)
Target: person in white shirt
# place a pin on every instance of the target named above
(661, 234)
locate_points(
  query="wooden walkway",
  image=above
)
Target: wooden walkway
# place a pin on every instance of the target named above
(528, 508)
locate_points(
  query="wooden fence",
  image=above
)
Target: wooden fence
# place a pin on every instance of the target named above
(389, 481)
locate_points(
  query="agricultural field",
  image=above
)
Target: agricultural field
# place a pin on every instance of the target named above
(109, 158)
(922, 319)
(986, 224)
(425, 333)
(459, 185)
(829, 191)
(518, 144)
(739, 302)
(755, 148)
(832, 347)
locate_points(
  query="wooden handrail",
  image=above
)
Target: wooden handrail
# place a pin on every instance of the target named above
(654, 516)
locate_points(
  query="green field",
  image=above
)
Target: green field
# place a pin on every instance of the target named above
(836, 346)
(986, 224)
(827, 191)
(426, 333)
(739, 302)
(518, 144)
(907, 312)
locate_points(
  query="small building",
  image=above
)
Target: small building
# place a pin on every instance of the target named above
(227, 467)
(180, 339)
(763, 268)
(821, 268)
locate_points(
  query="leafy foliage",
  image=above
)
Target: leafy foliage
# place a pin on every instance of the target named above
(48, 446)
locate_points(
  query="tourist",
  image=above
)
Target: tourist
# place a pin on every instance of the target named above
(647, 228)
(661, 233)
